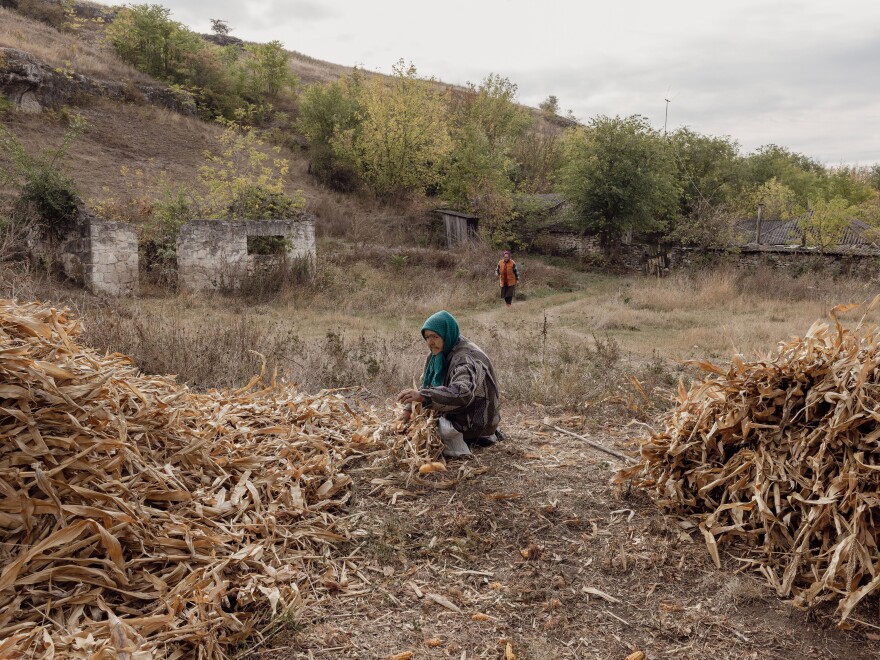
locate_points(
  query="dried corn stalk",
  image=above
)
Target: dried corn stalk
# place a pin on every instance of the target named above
(139, 517)
(782, 454)
(419, 444)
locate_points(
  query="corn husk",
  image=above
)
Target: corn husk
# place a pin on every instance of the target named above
(781, 455)
(140, 519)
(420, 445)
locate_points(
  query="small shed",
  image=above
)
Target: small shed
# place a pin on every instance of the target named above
(460, 227)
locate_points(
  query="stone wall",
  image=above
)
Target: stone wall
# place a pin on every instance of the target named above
(213, 254)
(793, 260)
(658, 259)
(102, 257)
(630, 257)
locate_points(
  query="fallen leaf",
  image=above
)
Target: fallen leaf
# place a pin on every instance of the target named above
(427, 468)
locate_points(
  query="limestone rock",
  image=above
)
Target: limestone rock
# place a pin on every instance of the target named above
(33, 85)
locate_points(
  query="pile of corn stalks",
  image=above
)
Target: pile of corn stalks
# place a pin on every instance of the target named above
(139, 519)
(419, 446)
(783, 456)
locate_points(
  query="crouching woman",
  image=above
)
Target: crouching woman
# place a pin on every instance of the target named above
(459, 384)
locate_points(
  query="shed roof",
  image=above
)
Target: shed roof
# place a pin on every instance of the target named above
(789, 232)
(457, 214)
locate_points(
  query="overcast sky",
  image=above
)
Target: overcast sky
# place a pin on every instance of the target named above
(804, 74)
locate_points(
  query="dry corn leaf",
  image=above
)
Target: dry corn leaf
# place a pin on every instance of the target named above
(782, 455)
(508, 652)
(427, 468)
(636, 655)
(141, 498)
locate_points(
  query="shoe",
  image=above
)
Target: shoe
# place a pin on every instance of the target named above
(485, 441)
(499, 435)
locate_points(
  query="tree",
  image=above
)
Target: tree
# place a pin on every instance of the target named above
(486, 123)
(146, 37)
(44, 195)
(874, 177)
(402, 139)
(845, 182)
(326, 112)
(826, 221)
(708, 169)
(779, 201)
(800, 174)
(219, 27)
(619, 176)
(269, 70)
(550, 105)
(538, 156)
(243, 181)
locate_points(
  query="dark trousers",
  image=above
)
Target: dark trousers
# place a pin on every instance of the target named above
(507, 293)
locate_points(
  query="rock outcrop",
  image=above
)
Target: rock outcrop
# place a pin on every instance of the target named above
(33, 85)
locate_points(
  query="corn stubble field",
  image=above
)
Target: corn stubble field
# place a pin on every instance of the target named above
(534, 548)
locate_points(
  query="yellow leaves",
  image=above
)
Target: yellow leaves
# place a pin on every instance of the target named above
(428, 468)
(403, 137)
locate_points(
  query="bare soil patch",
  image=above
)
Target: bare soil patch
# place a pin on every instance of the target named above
(534, 548)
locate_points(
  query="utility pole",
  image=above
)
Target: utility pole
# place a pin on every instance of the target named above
(666, 118)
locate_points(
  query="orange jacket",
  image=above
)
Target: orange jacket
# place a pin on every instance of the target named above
(506, 270)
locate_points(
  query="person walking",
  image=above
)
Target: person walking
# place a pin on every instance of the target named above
(508, 276)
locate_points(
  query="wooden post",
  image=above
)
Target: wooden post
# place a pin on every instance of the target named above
(758, 223)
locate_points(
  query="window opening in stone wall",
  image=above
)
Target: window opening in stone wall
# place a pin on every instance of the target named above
(268, 245)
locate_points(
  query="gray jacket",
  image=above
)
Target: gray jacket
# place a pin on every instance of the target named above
(469, 396)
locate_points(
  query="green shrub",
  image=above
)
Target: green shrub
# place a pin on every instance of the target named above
(255, 202)
(49, 197)
(44, 194)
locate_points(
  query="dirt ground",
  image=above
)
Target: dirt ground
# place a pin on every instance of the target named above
(533, 554)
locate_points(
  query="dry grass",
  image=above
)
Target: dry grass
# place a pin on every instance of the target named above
(573, 341)
(66, 51)
(310, 70)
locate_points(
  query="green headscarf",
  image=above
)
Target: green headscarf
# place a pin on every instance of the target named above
(445, 325)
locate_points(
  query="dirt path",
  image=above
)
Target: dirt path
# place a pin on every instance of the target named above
(534, 549)
(535, 309)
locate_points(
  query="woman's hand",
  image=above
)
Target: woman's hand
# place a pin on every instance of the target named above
(410, 396)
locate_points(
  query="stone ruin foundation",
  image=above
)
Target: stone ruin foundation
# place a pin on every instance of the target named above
(221, 254)
(102, 257)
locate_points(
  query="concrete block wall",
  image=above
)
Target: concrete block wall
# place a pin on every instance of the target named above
(212, 254)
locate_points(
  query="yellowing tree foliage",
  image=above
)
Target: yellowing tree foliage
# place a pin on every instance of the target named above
(402, 140)
(826, 221)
